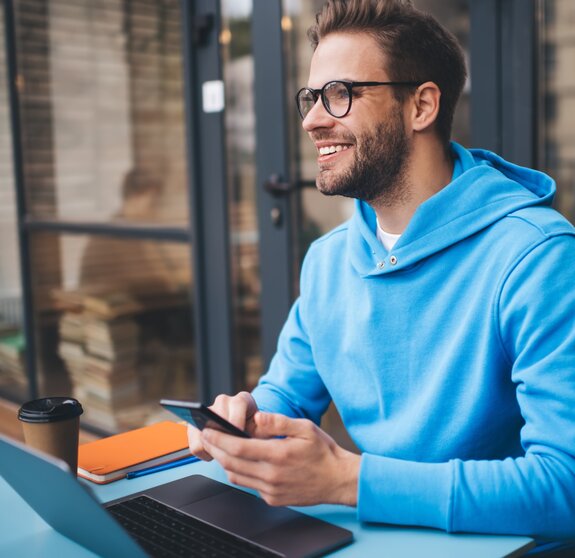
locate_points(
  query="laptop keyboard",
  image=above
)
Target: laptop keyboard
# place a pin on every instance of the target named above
(163, 531)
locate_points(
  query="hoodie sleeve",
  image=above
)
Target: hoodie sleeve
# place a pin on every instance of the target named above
(530, 495)
(292, 385)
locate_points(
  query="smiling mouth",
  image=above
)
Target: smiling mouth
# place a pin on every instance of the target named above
(330, 149)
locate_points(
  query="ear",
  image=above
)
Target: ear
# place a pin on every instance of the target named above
(425, 106)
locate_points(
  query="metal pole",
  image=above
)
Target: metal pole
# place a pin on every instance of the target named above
(14, 79)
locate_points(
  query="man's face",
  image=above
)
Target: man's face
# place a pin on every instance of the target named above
(374, 147)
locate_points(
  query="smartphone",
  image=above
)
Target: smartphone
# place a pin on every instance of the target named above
(201, 417)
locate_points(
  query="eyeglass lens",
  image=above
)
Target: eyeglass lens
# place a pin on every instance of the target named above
(335, 98)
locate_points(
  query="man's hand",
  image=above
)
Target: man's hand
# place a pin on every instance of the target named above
(239, 410)
(304, 467)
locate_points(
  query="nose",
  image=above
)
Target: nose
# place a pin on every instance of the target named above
(317, 117)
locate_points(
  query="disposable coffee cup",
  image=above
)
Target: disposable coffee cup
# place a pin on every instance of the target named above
(52, 425)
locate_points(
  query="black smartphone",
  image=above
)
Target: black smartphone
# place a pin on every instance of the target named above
(201, 417)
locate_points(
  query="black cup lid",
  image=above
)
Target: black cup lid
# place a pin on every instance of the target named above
(50, 409)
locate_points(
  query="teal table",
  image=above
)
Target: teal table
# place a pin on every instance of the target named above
(23, 533)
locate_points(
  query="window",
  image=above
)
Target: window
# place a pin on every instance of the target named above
(557, 112)
(102, 125)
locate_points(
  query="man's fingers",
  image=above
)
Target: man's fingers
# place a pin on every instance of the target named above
(221, 445)
(234, 463)
(269, 425)
(196, 445)
(237, 409)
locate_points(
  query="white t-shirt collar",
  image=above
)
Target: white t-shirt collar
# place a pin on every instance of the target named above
(387, 239)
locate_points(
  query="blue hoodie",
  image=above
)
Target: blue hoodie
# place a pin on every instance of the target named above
(451, 359)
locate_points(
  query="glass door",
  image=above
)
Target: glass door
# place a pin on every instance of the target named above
(557, 107)
(98, 90)
(240, 145)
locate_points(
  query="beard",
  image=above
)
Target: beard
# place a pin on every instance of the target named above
(377, 174)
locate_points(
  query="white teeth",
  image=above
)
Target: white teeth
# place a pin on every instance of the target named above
(332, 149)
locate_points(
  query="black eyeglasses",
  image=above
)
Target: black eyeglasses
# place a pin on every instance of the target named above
(336, 95)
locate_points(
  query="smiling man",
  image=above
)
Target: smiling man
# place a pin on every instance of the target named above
(439, 319)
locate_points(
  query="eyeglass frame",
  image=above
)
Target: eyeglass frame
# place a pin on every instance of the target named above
(349, 85)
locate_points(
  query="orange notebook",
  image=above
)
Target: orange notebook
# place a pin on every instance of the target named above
(111, 458)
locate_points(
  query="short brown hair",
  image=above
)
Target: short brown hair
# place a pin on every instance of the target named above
(417, 46)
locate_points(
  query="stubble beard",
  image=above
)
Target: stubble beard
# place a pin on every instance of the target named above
(377, 174)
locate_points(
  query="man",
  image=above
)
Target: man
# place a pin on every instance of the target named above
(439, 319)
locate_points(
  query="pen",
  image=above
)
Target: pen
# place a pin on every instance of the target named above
(165, 466)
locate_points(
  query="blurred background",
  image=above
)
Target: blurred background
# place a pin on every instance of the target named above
(157, 191)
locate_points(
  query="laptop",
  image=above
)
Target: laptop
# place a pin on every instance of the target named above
(201, 516)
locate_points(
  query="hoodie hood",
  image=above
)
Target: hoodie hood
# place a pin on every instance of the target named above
(485, 189)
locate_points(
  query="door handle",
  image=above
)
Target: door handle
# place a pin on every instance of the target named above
(278, 187)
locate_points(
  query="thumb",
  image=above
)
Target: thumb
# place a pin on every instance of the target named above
(269, 425)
